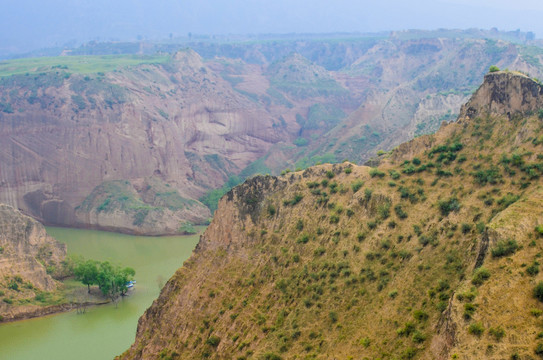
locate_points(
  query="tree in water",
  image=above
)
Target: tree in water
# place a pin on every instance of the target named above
(112, 280)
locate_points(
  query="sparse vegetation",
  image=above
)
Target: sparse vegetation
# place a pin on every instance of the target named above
(420, 315)
(533, 269)
(376, 173)
(402, 243)
(187, 228)
(448, 206)
(213, 341)
(504, 248)
(272, 356)
(400, 212)
(538, 291)
(407, 329)
(295, 200)
(476, 329)
(356, 185)
(418, 337)
(498, 333)
(469, 310)
(480, 276)
(333, 316)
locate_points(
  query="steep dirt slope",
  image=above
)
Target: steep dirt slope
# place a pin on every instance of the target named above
(28, 258)
(432, 255)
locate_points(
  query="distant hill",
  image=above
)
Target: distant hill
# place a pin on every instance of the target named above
(100, 141)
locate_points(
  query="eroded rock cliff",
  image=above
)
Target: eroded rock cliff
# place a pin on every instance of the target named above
(28, 259)
(505, 93)
(179, 122)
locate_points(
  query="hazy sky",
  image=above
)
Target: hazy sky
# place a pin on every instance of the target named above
(28, 24)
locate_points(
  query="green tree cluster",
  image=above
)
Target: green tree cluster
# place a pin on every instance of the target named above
(493, 68)
(111, 279)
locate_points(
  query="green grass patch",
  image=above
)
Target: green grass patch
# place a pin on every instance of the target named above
(504, 248)
(77, 64)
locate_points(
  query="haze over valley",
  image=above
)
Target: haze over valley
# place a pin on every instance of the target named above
(177, 182)
(140, 143)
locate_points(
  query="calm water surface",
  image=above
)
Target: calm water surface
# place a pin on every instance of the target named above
(103, 331)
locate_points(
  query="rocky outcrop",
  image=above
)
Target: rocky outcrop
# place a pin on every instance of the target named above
(27, 250)
(28, 258)
(433, 111)
(298, 69)
(243, 205)
(231, 236)
(504, 93)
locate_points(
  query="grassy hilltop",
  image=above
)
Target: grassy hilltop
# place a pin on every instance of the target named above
(77, 64)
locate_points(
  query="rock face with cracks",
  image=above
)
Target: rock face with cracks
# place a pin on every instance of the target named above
(505, 93)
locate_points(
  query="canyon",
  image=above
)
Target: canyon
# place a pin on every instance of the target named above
(388, 206)
(136, 143)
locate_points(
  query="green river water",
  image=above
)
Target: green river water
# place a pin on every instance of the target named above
(102, 332)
